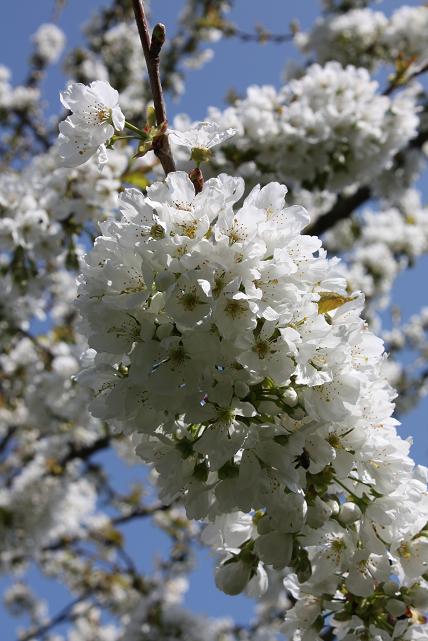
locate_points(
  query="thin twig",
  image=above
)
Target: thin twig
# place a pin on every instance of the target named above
(399, 82)
(259, 36)
(139, 512)
(4, 442)
(64, 615)
(84, 453)
(151, 49)
(344, 207)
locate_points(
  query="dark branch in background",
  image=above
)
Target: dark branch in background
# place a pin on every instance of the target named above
(34, 124)
(346, 205)
(151, 48)
(260, 35)
(66, 614)
(57, 467)
(403, 78)
(139, 512)
(4, 442)
(59, 6)
(83, 453)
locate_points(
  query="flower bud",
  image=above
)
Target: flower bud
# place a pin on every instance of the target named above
(275, 548)
(318, 513)
(390, 588)
(259, 583)
(241, 389)
(349, 513)
(290, 397)
(233, 576)
(395, 607)
(418, 597)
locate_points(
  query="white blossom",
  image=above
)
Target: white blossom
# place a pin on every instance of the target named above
(49, 42)
(306, 132)
(278, 427)
(95, 117)
(201, 137)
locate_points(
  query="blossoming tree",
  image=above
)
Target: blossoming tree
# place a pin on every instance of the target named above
(220, 331)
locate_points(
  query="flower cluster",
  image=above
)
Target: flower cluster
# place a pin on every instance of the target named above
(17, 98)
(49, 43)
(95, 117)
(226, 350)
(39, 507)
(45, 210)
(43, 497)
(366, 37)
(351, 37)
(406, 33)
(227, 344)
(326, 130)
(161, 616)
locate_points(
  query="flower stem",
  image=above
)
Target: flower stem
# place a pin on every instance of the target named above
(132, 127)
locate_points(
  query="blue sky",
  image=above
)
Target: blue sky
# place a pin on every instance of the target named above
(235, 65)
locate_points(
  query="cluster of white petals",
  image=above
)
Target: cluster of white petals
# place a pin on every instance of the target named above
(354, 35)
(161, 616)
(49, 42)
(201, 136)
(16, 98)
(228, 346)
(369, 37)
(216, 341)
(38, 508)
(44, 210)
(95, 117)
(407, 32)
(326, 130)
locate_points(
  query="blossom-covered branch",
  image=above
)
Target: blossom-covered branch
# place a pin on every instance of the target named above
(218, 343)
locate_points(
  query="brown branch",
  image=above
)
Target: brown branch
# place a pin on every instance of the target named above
(83, 453)
(260, 36)
(139, 512)
(151, 48)
(58, 467)
(7, 437)
(66, 614)
(343, 208)
(399, 81)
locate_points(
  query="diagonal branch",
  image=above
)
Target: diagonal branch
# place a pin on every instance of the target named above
(260, 35)
(66, 614)
(343, 208)
(404, 79)
(139, 512)
(151, 48)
